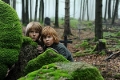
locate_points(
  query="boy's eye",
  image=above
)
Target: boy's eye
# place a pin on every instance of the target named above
(48, 36)
(31, 31)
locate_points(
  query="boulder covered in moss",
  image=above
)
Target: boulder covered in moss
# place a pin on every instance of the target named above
(65, 71)
(28, 51)
(49, 56)
(10, 37)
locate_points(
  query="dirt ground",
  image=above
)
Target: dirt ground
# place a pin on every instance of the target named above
(108, 68)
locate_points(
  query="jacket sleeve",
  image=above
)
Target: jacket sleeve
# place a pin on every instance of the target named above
(65, 52)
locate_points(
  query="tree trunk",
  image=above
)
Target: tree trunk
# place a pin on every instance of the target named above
(115, 11)
(83, 10)
(30, 10)
(36, 6)
(56, 14)
(74, 9)
(105, 10)
(80, 11)
(23, 12)
(27, 12)
(98, 20)
(41, 11)
(87, 10)
(109, 9)
(14, 4)
(67, 30)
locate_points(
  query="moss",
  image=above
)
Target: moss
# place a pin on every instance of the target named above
(49, 56)
(28, 41)
(10, 36)
(65, 71)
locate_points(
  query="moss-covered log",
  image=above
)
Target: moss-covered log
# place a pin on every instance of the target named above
(65, 71)
(10, 37)
(49, 56)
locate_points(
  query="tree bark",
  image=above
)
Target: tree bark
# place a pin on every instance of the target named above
(36, 6)
(56, 14)
(109, 9)
(67, 30)
(41, 11)
(98, 20)
(115, 11)
(14, 4)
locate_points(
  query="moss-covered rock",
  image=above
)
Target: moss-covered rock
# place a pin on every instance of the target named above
(10, 37)
(49, 56)
(65, 71)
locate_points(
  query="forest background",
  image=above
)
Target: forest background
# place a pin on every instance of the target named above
(95, 13)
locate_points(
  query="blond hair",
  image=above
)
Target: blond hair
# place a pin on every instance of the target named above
(33, 25)
(47, 30)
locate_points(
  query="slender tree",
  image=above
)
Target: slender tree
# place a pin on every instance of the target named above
(115, 11)
(83, 10)
(36, 6)
(80, 10)
(14, 4)
(87, 10)
(41, 11)
(56, 14)
(109, 9)
(74, 9)
(67, 30)
(105, 10)
(30, 10)
(98, 20)
(25, 14)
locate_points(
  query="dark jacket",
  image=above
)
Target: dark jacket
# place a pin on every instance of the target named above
(61, 49)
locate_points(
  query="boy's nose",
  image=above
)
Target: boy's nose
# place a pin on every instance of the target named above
(34, 33)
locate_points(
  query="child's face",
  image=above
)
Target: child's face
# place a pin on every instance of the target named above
(48, 40)
(34, 34)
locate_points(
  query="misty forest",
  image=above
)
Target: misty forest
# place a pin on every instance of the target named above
(88, 28)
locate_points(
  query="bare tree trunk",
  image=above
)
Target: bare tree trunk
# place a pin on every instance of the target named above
(36, 6)
(80, 11)
(67, 30)
(98, 20)
(83, 10)
(41, 11)
(27, 12)
(56, 14)
(30, 10)
(14, 4)
(74, 9)
(109, 9)
(87, 10)
(115, 11)
(105, 10)
(23, 12)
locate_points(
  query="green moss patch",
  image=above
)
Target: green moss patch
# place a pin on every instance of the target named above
(10, 37)
(65, 71)
(49, 56)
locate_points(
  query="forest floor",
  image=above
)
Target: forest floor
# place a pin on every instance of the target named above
(110, 69)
